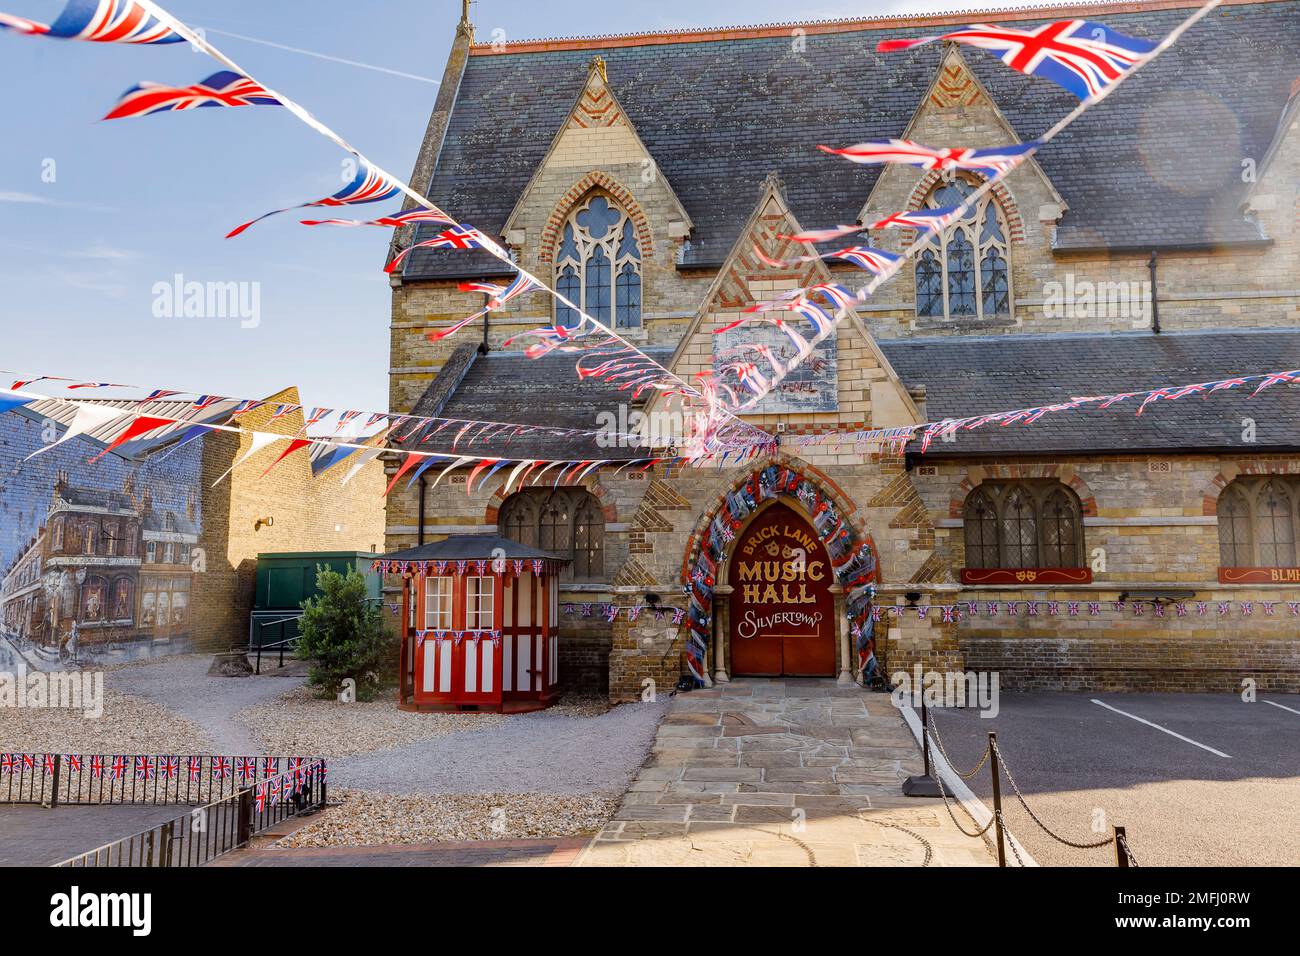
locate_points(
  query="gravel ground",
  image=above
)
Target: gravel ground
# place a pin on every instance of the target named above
(542, 752)
(181, 684)
(366, 819)
(299, 723)
(129, 725)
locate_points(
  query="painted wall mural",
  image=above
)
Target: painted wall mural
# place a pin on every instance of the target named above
(93, 554)
(812, 387)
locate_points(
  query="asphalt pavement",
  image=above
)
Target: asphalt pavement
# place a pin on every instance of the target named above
(1216, 781)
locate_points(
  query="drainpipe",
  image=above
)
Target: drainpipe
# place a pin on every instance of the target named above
(420, 533)
(1155, 295)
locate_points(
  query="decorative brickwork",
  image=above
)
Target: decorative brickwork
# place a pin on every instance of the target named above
(1064, 474)
(595, 180)
(1007, 203)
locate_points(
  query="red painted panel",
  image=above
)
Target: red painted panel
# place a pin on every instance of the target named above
(1026, 576)
(1259, 575)
(782, 613)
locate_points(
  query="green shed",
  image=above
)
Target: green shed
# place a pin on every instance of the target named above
(285, 580)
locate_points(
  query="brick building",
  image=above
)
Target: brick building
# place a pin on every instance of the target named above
(644, 174)
(141, 546)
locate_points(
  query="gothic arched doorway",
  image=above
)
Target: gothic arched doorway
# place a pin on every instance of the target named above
(782, 609)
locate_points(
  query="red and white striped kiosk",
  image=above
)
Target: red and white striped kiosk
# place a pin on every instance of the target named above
(480, 624)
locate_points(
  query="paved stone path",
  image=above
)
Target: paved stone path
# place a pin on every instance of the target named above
(560, 851)
(781, 773)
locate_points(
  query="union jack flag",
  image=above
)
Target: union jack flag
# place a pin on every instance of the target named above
(875, 261)
(169, 766)
(29, 761)
(207, 401)
(22, 25)
(195, 767)
(822, 235)
(118, 767)
(225, 88)
(367, 186)
(144, 768)
(463, 236)
(221, 767)
(47, 764)
(998, 159)
(1082, 56)
(922, 219)
(260, 796)
(246, 767)
(102, 21)
(1274, 378)
(97, 767)
(397, 220)
(8, 763)
(501, 294)
(74, 761)
(270, 766)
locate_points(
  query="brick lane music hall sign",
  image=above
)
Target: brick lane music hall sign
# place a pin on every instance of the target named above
(782, 609)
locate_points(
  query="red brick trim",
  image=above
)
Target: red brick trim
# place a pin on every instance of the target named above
(595, 180)
(994, 472)
(1005, 201)
(707, 35)
(1210, 497)
(843, 504)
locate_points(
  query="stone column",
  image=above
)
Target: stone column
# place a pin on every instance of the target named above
(846, 646)
(721, 628)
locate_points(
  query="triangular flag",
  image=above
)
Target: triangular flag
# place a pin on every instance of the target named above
(327, 456)
(293, 447)
(411, 459)
(10, 400)
(363, 459)
(137, 428)
(260, 441)
(88, 418)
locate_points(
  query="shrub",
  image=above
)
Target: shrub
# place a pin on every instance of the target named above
(343, 634)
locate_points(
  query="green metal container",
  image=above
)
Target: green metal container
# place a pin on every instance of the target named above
(285, 580)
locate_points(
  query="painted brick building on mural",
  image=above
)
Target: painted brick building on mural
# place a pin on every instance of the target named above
(652, 176)
(140, 549)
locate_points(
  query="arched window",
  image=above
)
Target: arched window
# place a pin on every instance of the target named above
(565, 521)
(598, 266)
(1258, 522)
(1023, 524)
(964, 274)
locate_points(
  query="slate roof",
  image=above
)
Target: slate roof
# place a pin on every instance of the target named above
(509, 387)
(1157, 162)
(976, 375)
(971, 375)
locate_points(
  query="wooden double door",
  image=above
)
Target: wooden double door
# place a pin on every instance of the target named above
(782, 609)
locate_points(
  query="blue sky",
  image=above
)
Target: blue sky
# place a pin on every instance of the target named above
(133, 203)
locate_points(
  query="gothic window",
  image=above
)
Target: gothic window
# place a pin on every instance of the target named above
(598, 265)
(1023, 524)
(964, 274)
(565, 521)
(1258, 523)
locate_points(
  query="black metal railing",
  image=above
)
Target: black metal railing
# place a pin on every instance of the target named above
(156, 779)
(213, 829)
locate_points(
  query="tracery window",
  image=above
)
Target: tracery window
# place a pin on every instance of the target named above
(598, 265)
(964, 274)
(1259, 521)
(1023, 524)
(565, 521)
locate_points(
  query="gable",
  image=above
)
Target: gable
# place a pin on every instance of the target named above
(846, 379)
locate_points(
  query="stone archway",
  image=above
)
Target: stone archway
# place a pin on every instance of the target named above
(852, 554)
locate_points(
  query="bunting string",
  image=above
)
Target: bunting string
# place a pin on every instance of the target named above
(1092, 64)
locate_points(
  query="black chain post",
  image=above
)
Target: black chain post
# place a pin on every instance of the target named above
(54, 785)
(924, 785)
(1121, 848)
(995, 769)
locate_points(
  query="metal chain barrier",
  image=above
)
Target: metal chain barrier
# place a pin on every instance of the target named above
(1033, 816)
(957, 823)
(934, 732)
